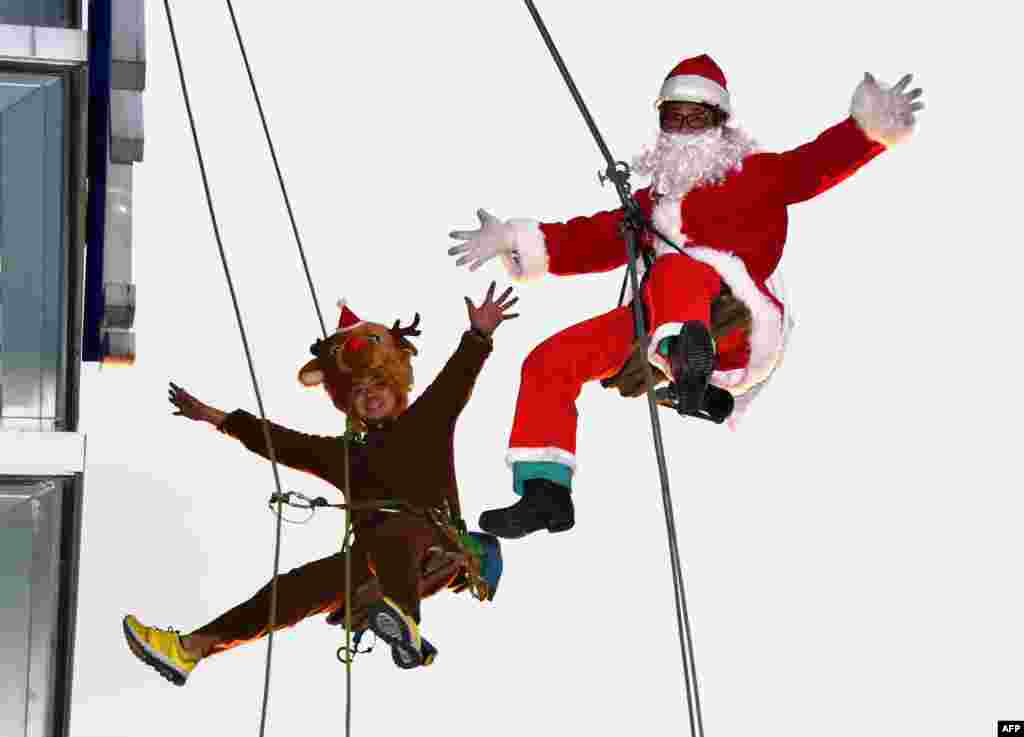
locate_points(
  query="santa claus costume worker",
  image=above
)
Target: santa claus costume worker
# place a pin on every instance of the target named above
(723, 203)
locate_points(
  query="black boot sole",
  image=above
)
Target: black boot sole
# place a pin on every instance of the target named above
(561, 526)
(697, 351)
(505, 533)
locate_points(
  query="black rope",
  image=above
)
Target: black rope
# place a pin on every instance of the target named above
(633, 221)
(277, 167)
(248, 358)
(346, 545)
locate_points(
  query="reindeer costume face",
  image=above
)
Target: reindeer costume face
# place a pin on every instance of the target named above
(358, 351)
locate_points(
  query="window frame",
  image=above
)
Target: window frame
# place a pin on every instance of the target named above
(75, 85)
(67, 502)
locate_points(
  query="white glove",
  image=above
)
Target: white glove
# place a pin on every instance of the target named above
(885, 114)
(493, 237)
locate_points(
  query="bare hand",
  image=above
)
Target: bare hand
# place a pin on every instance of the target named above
(490, 314)
(190, 407)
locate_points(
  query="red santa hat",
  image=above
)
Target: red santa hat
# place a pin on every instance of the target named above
(697, 79)
(348, 319)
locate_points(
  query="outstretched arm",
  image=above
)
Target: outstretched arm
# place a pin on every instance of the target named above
(529, 249)
(448, 394)
(309, 453)
(879, 117)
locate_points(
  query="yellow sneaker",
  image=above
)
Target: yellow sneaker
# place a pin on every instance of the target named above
(161, 649)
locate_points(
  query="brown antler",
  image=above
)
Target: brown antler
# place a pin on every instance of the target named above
(401, 332)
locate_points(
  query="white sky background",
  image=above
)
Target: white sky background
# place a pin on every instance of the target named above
(851, 555)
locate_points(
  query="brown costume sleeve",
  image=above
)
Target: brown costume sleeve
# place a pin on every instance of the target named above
(440, 404)
(310, 453)
(443, 401)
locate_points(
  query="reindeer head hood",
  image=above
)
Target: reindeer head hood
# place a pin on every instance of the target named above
(359, 349)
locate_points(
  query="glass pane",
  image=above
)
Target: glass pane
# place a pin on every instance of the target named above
(53, 13)
(29, 559)
(32, 254)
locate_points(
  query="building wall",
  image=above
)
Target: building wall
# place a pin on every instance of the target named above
(50, 68)
(43, 96)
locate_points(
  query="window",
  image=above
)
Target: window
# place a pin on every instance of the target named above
(37, 589)
(53, 13)
(33, 257)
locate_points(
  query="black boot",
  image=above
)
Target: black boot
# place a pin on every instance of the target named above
(718, 404)
(692, 357)
(544, 505)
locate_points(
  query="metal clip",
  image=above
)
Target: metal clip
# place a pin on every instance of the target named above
(618, 173)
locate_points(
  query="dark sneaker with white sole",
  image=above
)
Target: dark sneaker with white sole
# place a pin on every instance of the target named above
(400, 631)
(405, 661)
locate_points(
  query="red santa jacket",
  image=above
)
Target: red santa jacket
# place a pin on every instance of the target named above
(738, 226)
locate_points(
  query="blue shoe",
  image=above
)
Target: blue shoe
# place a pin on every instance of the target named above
(491, 564)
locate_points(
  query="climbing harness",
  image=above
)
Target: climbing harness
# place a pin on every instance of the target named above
(448, 526)
(633, 223)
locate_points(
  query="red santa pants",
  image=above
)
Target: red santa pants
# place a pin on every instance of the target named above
(678, 289)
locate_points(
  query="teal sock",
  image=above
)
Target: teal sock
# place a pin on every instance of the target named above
(665, 345)
(525, 470)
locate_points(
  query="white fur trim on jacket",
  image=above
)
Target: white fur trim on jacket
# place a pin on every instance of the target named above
(883, 115)
(540, 455)
(693, 88)
(529, 260)
(766, 334)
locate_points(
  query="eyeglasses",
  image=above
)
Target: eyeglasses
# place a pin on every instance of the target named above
(675, 119)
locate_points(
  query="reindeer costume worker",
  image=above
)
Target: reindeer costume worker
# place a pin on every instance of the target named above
(724, 204)
(406, 454)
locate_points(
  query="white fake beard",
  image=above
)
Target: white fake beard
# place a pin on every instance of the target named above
(678, 162)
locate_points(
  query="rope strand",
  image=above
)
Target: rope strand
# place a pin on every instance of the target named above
(248, 358)
(277, 167)
(346, 545)
(348, 599)
(620, 176)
